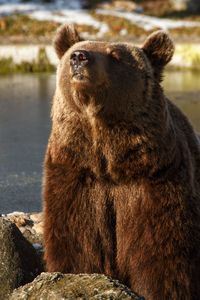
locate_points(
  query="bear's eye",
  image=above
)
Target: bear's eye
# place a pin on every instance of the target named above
(114, 53)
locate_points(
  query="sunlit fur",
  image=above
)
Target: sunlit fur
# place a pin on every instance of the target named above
(122, 172)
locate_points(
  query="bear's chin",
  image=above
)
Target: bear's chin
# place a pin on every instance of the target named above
(79, 77)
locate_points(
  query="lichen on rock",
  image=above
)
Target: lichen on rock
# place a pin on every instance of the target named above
(57, 286)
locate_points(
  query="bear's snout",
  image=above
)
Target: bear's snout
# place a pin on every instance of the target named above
(79, 58)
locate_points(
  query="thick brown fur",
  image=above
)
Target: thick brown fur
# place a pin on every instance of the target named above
(122, 172)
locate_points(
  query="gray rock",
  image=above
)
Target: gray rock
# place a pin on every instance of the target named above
(19, 263)
(57, 286)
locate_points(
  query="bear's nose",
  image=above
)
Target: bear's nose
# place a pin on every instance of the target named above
(79, 57)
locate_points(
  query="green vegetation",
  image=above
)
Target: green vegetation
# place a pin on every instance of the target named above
(41, 64)
(189, 54)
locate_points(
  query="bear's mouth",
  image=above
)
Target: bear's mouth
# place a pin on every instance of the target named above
(79, 77)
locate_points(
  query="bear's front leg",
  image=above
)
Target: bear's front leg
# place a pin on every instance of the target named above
(60, 188)
(78, 227)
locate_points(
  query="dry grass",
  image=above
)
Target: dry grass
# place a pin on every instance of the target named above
(23, 25)
(116, 24)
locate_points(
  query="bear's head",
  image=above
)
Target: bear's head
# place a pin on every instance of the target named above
(116, 80)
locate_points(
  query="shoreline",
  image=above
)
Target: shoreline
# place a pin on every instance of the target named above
(42, 58)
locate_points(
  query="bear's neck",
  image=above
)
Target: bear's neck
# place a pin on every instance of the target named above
(118, 148)
(132, 149)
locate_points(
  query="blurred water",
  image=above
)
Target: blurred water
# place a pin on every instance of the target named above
(25, 102)
(183, 88)
(24, 129)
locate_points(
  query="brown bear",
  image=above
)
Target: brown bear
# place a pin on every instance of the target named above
(122, 170)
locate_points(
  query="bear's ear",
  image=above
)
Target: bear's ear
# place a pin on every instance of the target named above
(66, 36)
(159, 49)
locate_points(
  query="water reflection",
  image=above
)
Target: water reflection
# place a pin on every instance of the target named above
(25, 102)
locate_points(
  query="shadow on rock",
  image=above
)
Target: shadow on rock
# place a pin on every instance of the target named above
(19, 261)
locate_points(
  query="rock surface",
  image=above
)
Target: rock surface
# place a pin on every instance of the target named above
(57, 286)
(30, 225)
(19, 262)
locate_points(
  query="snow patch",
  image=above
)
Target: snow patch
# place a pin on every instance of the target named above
(70, 16)
(80, 17)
